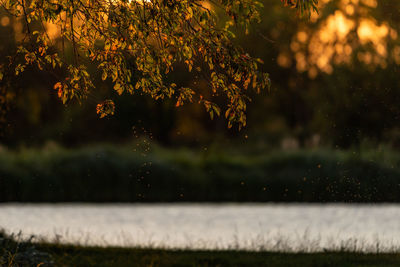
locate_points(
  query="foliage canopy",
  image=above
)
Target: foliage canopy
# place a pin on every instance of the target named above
(136, 43)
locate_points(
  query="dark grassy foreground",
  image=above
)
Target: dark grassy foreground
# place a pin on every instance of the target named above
(75, 256)
(27, 253)
(81, 256)
(151, 174)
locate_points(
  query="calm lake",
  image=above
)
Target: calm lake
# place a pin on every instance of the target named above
(282, 227)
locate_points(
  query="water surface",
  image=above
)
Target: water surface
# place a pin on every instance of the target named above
(283, 227)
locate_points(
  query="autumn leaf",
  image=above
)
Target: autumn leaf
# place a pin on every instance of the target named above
(106, 108)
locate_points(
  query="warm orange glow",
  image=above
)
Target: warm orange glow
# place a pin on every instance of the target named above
(349, 9)
(338, 36)
(18, 27)
(368, 30)
(284, 60)
(370, 3)
(302, 36)
(5, 21)
(53, 31)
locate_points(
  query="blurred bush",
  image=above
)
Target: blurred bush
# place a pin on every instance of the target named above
(119, 174)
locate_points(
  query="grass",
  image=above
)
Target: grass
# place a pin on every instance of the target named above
(14, 252)
(147, 173)
(96, 256)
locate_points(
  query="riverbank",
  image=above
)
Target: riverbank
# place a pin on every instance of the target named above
(107, 257)
(15, 253)
(63, 255)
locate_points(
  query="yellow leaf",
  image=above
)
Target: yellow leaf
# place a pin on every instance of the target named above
(118, 88)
